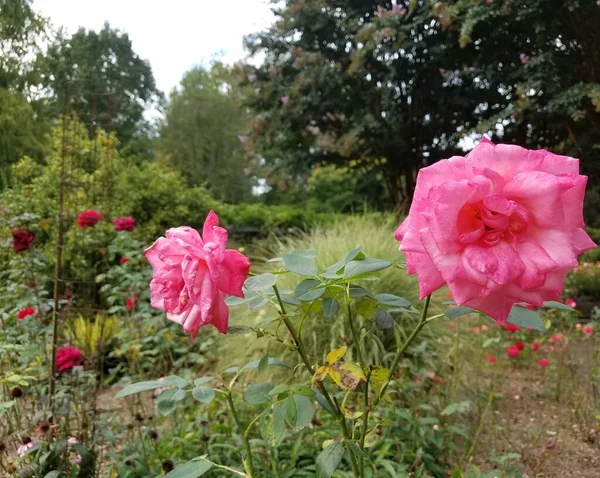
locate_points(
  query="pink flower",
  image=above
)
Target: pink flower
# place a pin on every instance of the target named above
(500, 226)
(544, 363)
(26, 446)
(524, 58)
(570, 303)
(484, 328)
(251, 78)
(512, 351)
(535, 346)
(285, 99)
(26, 312)
(588, 330)
(124, 224)
(68, 357)
(520, 345)
(551, 348)
(76, 459)
(556, 338)
(193, 274)
(578, 326)
(491, 359)
(131, 302)
(124, 260)
(88, 218)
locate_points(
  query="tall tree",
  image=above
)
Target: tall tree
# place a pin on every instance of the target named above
(362, 83)
(103, 79)
(204, 133)
(21, 32)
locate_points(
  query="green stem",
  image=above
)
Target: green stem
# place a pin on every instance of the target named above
(248, 464)
(336, 413)
(480, 425)
(402, 349)
(361, 359)
(365, 423)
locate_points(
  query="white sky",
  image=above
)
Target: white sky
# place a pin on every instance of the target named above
(173, 35)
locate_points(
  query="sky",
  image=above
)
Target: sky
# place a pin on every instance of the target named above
(173, 35)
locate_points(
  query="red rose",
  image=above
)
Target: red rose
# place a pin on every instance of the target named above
(543, 363)
(131, 302)
(511, 327)
(491, 359)
(512, 351)
(68, 357)
(520, 345)
(535, 346)
(124, 224)
(88, 218)
(22, 239)
(26, 312)
(124, 260)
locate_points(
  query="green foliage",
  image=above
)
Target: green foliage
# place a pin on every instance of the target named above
(203, 134)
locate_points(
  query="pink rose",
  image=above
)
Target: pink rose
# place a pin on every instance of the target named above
(193, 274)
(500, 226)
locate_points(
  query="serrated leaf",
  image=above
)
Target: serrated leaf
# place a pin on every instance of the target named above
(300, 265)
(177, 381)
(260, 282)
(290, 413)
(308, 253)
(384, 319)
(393, 300)
(258, 393)
(329, 459)
(552, 304)
(336, 354)
(202, 380)
(363, 267)
(272, 425)
(140, 387)
(330, 307)
(203, 394)
(167, 400)
(257, 302)
(191, 469)
(525, 318)
(304, 411)
(455, 312)
(356, 292)
(301, 390)
(279, 389)
(306, 290)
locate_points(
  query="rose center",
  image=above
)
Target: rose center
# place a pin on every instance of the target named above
(488, 221)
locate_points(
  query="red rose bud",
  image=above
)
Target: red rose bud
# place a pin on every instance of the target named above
(22, 239)
(88, 218)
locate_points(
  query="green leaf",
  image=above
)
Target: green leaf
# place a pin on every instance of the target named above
(364, 267)
(279, 389)
(356, 449)
(177, 381)
(460, 407)
(330, 307)
(304, 411)
(308, 253)
(141, 387)
(321, 400)
(357, 291)
(257, 302)
(272, 425)
(301, 390)
(552, 304)
(167, 400)
(290, 412)
(393, 300)
(53, 474)
(306, 291)
(258, 393)
(300, 265)
(455, 312)
(260, 282)
(239, 330)
(336, 270)
(384, 319)
(270, 361)
(203, 394)
(329, 459)
(525, 318)
(191, 469)
(366, 307)
(263, 363)
(202, 381)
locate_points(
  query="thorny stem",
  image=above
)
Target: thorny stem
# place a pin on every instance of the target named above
(335, 411)
(248, 464)
(402, 349)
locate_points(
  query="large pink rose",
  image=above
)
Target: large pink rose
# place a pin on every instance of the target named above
(499, 226)
(193, 274)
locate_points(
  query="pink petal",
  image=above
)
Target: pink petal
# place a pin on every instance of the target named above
(211, 232)
(557, 164)
(495, 305)
(500, 263)
(430, 278)
(185, 236)
(221, 315)
(506, 160)
(573, 202)
(582, 242)
(558, 244)
(233, 272)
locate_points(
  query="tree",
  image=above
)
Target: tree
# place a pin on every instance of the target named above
(106, 83)
(204, 133)
(21, 31)
(360, 83)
